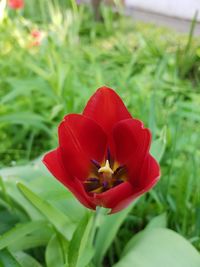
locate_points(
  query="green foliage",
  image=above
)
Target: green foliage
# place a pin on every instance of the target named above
(158, 146)
(16, 234)
(108, 229)
(6, 259)
(159, 247)
(80, 247)
(59, 221)
(54, 252)
(156, 72)
(26, 260)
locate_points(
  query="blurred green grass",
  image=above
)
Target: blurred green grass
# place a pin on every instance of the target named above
(155, 71)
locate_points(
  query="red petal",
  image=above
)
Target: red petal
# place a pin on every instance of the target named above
(81, 140)
(132, 142)
(53, 162)
(149, 174)
(116, 198)
(106, 108)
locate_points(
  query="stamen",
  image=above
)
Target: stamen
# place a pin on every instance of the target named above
(105, 185)
(121, 170)
(93, 179)
(109, 158)
(108, 155)
(91, 184)
(97, 190)
(106, 168)
(96, 163)
(118, 169)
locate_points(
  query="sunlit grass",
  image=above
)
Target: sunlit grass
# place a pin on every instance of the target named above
(146, 65)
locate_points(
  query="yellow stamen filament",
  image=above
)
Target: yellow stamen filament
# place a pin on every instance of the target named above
(98, 190)
(106, 169)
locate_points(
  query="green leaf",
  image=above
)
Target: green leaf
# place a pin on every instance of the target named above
(19, 201)
(38, 238)
(80, 250)
(19, 231)
(4, 192)
(27, 119)
(26, 260)
(57, 218)
(158, 146)
(54, 253)
(159, 247)
(159, 221)
(7, 260)
(36, 176)
(55, 111)
(107, 233)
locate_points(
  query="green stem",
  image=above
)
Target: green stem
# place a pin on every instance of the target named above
(6, 196)
(99, 214)
(95, 225)
(74, 6)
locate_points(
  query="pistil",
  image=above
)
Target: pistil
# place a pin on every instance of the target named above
(106, 169)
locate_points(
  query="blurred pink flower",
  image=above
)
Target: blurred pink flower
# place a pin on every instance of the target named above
(16, 4)
(37, 37)
(36, 34)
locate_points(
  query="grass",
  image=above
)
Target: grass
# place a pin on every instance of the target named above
(156, 72)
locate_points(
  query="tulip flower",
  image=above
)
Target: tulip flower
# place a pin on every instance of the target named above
(16, 4)
(103, 154)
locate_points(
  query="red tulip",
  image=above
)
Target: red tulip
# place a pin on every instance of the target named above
(16, 4)
(103, 155)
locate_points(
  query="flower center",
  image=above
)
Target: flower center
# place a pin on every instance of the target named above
(106, 170)
(105, 177)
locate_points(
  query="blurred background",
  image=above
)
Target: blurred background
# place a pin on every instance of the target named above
(181, 9)
(176, 15)
(54, 54)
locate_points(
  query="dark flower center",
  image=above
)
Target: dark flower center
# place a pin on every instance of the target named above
(104, 177)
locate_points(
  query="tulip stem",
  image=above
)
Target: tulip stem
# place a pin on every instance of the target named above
(97, 221)
(95, 225)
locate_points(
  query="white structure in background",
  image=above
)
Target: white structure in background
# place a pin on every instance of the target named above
(2, 9)
(184, 9)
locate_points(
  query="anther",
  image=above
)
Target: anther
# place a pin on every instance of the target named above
(96, 163)
(108, 155)
(105, 184)
(92, 179)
